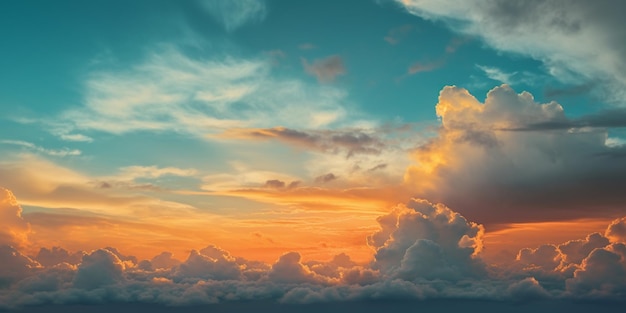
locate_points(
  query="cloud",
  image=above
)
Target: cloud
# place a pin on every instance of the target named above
(326, 70)
(610, 118)
(306, 46)
(99, 268)
(574, 251)
(13, 228)
(52, 152)
(565, 35)
(601, 274)
(325, 178)
(419, 67)
(422, 66)
(209, 263)
(498, 176)
(57, 255)
(169, 91)
(348, 141)
(76, 137)
(15, 265)
(288, 269)
(234, 14)
(617, 230)
(552, 93)
(395, 35)
(427, 241)
(422, 251)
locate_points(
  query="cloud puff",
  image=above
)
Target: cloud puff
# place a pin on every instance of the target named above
(15, 265)
(99, 268)
(233, 14)
(57, 255)
(429, 241)
(601, 274)
(577, 40)
(494, 175)
(209, 263)
(13, 229)
(326, 70)
(617, 230)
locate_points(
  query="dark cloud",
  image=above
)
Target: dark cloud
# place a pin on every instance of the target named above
(552, 93)
(279, 184)
(326, 178)
(613, 118)
(326, 70)
(99, 268)
(381, 166)
(350, 142)
(58, 255)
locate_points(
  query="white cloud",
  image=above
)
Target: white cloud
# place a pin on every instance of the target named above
(427, 241)
(52, 152)
(577, 40)
(172, 92)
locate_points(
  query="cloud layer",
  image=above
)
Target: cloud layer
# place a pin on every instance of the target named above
(422, 251)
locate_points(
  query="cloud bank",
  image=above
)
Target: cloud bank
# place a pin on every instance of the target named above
(422, 251)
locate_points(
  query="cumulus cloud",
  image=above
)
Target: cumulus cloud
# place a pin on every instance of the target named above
(601, 274)
(577, 40)
(56, 255)
(15, 265)
(99, 268)
(429, 241)
(13, 229)
(617, 230)
(209, 263)
(326, 70)
(233, 14)
(494, 175)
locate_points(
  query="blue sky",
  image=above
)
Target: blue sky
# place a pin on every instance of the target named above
(351, 147)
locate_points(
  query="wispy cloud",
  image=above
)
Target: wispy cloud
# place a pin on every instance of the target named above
(172, 92)
(52, 152)
(565, 35)
(234, 14)
(395, 35)
(509, 78)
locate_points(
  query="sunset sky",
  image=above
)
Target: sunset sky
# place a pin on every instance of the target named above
(216, 151)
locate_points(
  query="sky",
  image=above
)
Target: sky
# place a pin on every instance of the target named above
(219, 152)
